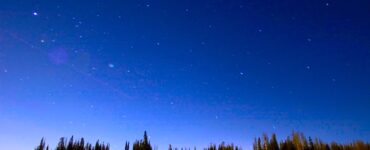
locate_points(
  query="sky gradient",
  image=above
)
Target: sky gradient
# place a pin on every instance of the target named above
(189, 72)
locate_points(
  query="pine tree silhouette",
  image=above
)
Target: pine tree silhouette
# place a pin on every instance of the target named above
(41, 145)
(295, 142)
(273, 143)
(170, 147)
(127, 145)
(142, 144)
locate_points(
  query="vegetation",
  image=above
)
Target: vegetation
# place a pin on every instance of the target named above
(74, 145)
(142, 144)
(297, 141)
(223, 146)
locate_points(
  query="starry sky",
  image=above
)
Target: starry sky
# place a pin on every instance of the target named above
(189, 72)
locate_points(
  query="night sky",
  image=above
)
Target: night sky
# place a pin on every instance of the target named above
(189, 72)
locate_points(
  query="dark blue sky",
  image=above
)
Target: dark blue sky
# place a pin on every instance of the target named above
(190, 72)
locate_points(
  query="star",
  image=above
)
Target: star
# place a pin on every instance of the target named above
(35, 13)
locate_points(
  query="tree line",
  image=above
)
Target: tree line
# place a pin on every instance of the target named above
(297, 141)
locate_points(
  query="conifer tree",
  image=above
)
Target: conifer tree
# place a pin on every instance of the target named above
(127, 145)
(170, 147)
(146, 143)
(310, 144)
(41, 145)
(273, 143)
(259, 146)
(70, 144)
(265, 142)
(142, 144)
(81, 144)
(61, 144)
(297, 142)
